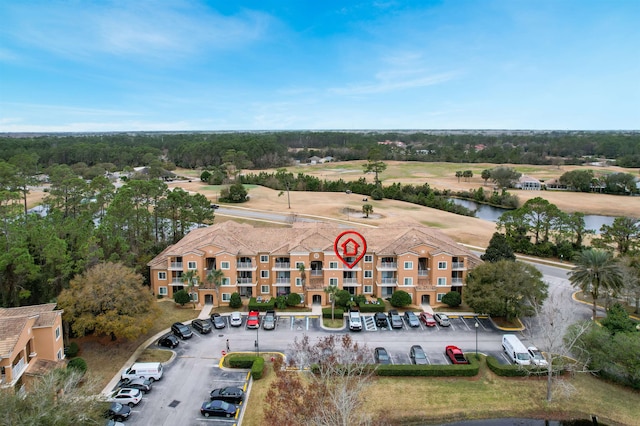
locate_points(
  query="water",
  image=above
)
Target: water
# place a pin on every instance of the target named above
(483, 211)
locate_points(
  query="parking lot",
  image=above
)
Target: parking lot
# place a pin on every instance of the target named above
(195, 371)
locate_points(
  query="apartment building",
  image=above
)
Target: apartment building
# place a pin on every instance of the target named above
(30, 342)
(268, 262)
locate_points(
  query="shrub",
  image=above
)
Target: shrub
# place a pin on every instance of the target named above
(72, 350)
(293, 299)
(78, 364)
(372, 307)
(452, 299)
(262, 306)
(400, 299)
(257, 368)
(236, 301)
(338, 313)
(343, 297)
(241, 360)
(432, 370)
(181, 297)
(512, 370)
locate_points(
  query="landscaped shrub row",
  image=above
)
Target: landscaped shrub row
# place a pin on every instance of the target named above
(262, 306)
(257, 369)
(511, 370)
(338, 313)
(449, 370)
(372, 307)
(255, 363)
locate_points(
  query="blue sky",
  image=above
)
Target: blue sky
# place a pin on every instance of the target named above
(128, 65)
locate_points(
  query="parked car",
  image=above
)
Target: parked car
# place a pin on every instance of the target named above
(229, 394)
(411, 319)
(218, 408)
(455, 355)
(381, 356)
(381, 319)
(169, 341)
(355, 321)
(127, 396)
(181, 330)
(235, 320)
(253, 320)
(536, 357)
(442, 319)
(141, 384)
(202, 326)
(113, 423)
(417, 355)
(218, 321)
(395, 319)
(427, 319)
(269, 320)
(118, 411)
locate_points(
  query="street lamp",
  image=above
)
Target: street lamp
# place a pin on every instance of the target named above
(477, 325)
(257, 343)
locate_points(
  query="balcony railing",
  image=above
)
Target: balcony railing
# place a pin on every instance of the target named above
(177, 281)
(316, 272)
(457, 265)
(244, 265)
(282, 265)
(388, 265)
(456, 281)
(244, 280)
(423, 272)
(176, 266)
(349, 281)
(18, 369)
(389, 281)
(283, 280)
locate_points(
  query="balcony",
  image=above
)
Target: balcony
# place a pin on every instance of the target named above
(176, 266)
(241, 281)
(245, 266)
(283, 281)
(177, 281)
(456, 281)
(18, 369)
(350, 282)
(388, 282)
(282, 265)
(316, 273)
(423, 272)
(457, 265)
(388, 266)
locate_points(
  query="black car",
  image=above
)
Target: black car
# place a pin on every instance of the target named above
(218, 321)
(218, 408)
(118, 411)
(181, 330)
(381, 356)
(143, 385)
(202, 326)
(381, 319)
(417, 355)
(169, 341)
(228, 394)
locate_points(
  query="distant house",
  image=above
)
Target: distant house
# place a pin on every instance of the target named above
(528, 183)
(555, 185)
(313, 160)
(31, 342)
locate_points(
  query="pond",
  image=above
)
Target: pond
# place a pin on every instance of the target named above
(526, 422)
(484, 211)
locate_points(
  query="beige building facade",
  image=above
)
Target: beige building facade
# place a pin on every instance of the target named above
(268, 262)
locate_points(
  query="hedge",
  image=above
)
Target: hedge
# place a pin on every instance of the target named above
(255, 363)
(257, 369)
(338, 313)
(513, 370)
(372, 307)
(72, 350)
(432, 370)
(262, 306)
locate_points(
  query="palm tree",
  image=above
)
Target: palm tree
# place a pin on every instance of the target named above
(215, 277)
(367, 209)
(303, 280)
(596, 270)
(331, 291)
(190, 278)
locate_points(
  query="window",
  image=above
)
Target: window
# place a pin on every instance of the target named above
(194, 297)
(226, 281)
(57, 333)
(442, 281)
(408, 281)
(333, 265)
(333, 281)
(60, 354)
(298, 264)
(442, 265)
(264, 258)
(440, 296)
(163, 291)
(264, 274)
(226, 297)
(225, 265)
(298, 282)
(192, 265)
(368, 289)
(162, 276)
(368, 273)
(368, 258)
(264, 289)
(408, 265)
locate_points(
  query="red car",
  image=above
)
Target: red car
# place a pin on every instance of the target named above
(455, 355)
(427, 319)
(253, 321)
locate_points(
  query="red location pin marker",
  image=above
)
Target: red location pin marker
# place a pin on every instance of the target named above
(350, 244)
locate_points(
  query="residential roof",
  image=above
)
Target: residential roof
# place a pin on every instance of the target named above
(242, 239)
(14, 320)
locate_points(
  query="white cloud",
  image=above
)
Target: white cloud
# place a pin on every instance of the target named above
(393, 81)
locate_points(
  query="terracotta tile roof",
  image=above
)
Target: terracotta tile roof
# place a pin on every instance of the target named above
(10, 330)
(14, 320)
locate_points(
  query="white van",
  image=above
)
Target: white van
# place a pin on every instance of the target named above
(143, 370)
(514, 348)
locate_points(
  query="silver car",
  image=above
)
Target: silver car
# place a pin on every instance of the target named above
(235, 320)
(442, 319)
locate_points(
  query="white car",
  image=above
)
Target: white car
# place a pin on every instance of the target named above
(536, 357)
(127, 396)
(235, 319)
